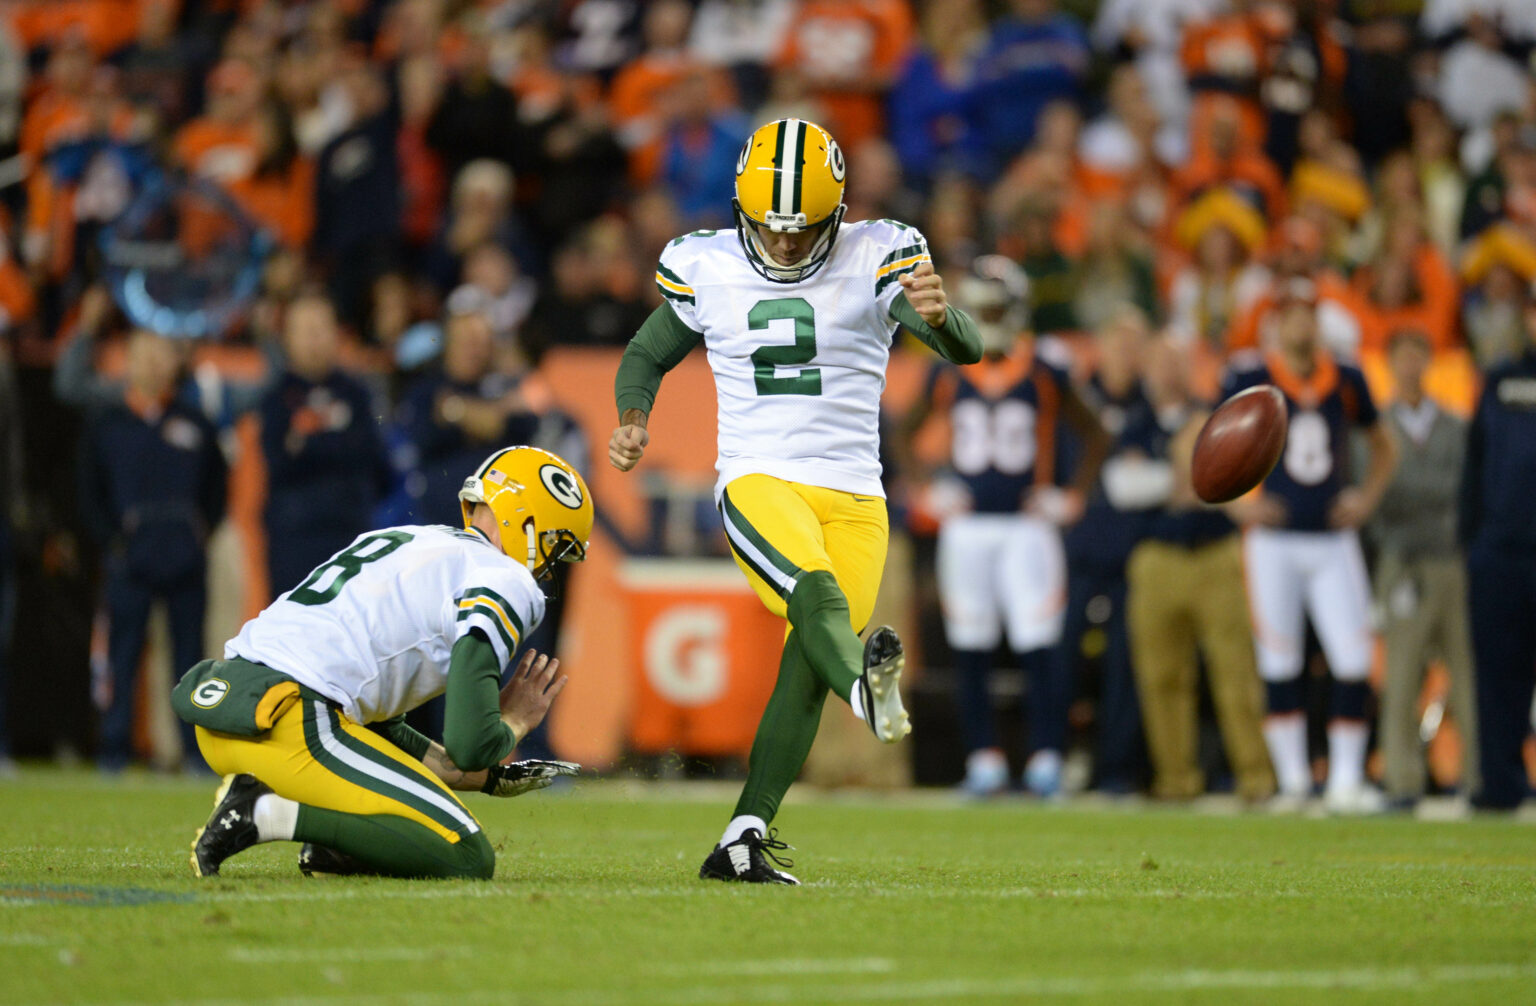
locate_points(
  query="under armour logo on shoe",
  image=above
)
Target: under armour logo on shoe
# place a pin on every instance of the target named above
(229, 820)
(741, 858)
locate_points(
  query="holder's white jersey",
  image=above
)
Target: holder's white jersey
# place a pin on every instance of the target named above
(373, 627)
(799, 367)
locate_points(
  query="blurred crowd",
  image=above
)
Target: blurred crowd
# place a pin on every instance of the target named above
(444, 190)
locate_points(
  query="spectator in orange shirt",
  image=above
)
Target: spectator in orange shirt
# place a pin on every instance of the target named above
(222, 145)
(1223, 154)
(1117, 147)
(1408, 285)
(423, 179)
(1299, 256)
(848, 52)
(1225, 59)
(637, 98)
(280, 193)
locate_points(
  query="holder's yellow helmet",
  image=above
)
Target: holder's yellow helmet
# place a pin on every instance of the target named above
(540, 502)
(789, 177)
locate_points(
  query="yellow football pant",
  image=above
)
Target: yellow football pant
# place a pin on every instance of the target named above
(815, 557)
(780, 530)
(358, 792)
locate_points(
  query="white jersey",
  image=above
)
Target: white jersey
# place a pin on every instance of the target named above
(373, 628)
(799, 367)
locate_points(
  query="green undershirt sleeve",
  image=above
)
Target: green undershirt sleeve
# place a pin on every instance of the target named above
(662, 342)
(403, 736)
(958, 341)
(473, 734)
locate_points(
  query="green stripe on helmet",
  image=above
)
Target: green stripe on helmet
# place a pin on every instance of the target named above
(778, 163)
(797, 164)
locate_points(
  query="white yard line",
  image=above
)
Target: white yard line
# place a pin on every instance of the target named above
(945, 990)
(342, 955)
(789, 966)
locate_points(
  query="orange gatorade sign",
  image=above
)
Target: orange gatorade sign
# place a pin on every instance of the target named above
(704, 655)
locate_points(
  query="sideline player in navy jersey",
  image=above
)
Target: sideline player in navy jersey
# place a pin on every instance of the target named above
(1302, 551)
(1000, 558)
(1097, 549)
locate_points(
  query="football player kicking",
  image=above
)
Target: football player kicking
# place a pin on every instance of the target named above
(797, 313)
(304, 716)
(1301, 551)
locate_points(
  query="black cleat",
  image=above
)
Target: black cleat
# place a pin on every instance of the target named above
(881, 694)
(746, 859)
(322, 861)
(231, 828)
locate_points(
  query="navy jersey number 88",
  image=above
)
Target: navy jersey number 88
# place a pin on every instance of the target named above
(1002, 416)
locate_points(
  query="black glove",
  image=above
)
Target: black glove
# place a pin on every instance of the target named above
(525, 776)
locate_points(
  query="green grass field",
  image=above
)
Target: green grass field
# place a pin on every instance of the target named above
(907, 899)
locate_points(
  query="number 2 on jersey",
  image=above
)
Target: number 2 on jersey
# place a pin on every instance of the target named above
(347, 564)
(767, 359)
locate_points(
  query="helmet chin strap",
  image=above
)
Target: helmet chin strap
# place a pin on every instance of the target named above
(533, 545)
(773, 264)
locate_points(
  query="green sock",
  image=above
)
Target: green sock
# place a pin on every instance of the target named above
(818, 610)
(396, 846)
(785, 734)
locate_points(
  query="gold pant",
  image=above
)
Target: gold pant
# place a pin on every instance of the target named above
(1183, 603)
(778, 530)
(316, 756)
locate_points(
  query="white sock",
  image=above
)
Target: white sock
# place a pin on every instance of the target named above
(276, 817)
(742, 824)
(856, 699)
(1346, 754)
(1286, 737)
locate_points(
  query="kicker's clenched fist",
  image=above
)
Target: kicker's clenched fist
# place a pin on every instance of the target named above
(925, 292)
(627, 445)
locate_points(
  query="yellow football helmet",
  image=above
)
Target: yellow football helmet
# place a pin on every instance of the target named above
(537, 493)
(789, 177)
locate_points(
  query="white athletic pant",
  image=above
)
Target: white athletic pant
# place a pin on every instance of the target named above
(1317, 573)
(1001, 569)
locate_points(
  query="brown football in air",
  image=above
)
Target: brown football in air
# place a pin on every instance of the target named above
(1239, 444)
